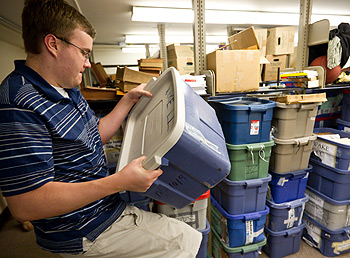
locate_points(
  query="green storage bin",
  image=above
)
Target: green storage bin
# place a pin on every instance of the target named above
(249, 161)
(220, 249)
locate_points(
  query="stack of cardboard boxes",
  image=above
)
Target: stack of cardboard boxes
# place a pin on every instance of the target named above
(181, 57)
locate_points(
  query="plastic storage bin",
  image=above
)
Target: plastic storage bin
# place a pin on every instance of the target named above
(194, 214)
(288, 186)
(249, 161)
(238, 230)
(293, 120)
(330, 152)
(343, 125)
(203, 249)
(332, 182)
(244, 120)
(178, 132)
(238, 197)
(286, 215)
(345, 114)
(330, 213)
(329, 242)
(283, 243)
(221, 250)
(291, 155)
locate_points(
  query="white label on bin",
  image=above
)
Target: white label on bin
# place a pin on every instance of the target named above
(254, 127)
(326, 152)
(291, 218)
(314, 207)
(282, 180)
(195, 133)
(314, 232)
(341, 246)
(346, 129)
(249, 229)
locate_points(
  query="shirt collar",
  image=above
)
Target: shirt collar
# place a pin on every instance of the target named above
(40, 82)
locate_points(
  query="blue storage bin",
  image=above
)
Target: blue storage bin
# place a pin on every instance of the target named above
(129, 196)
(329, 242)
(178, 132)
(238, 197)
(330, 152)
(244, 120)
(286, 215)
(242, 229)
(283, 243)
(343, 125)
(221, 249)
(332, 182)
(345, 114)
(288, 186)
(203, 249)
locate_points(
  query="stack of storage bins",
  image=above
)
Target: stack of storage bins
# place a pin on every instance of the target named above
(238, 210)
(327, 213)
(344, 122)
(292, 126)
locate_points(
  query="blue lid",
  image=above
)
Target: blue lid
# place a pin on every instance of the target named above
(243, 103)
(343, 122)
(288, 232)
(250, 183)
(288, 205)
(291, 174)
(330, 231)
(333, 131)
(246, 216)
(326, 198)
(335, 170)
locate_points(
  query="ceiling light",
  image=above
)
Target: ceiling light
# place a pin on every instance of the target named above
(154, 39)
(182, 15)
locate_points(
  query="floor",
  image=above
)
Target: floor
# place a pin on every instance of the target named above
(17, 243)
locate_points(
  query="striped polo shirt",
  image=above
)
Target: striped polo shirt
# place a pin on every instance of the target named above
(46, 137)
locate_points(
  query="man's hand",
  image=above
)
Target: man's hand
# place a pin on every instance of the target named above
(135, 94)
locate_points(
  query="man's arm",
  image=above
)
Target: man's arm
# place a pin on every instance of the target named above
(110, 124)
(57, 198)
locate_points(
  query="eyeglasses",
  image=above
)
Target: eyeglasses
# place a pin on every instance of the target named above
(84, 52)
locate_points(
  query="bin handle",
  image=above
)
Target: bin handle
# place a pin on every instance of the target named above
(154, 162)
(257, 108)
(263, 152)
(250, 149)
(293, 231)
(307, 106)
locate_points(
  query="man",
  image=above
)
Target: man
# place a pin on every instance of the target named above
(52, 166)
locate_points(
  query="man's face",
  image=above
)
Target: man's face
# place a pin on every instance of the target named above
(72, 60)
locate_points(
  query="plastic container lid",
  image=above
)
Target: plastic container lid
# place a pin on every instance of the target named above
(156, 122)
(343, 122)
(244, 103)
(288, 205)
(288, 232)
(292, 174)
(246, 216)
(296, 141)
(326, 198)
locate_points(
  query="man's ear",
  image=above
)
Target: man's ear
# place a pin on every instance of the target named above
(50, 43)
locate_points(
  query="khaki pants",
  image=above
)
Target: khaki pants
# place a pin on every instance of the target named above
(141, 234)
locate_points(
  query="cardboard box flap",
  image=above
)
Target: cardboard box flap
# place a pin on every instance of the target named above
(245, 39)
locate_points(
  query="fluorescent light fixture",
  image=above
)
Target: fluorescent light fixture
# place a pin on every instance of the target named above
(138, 49)
(154, 39)
(182, 15)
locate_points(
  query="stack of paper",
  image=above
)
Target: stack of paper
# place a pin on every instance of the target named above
(197, 83)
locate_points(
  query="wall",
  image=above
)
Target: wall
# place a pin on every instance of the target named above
(9, 53)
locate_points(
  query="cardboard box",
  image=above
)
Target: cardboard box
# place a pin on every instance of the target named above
(261, 35)
(271, 69)
(185, 65)
(245, 39)
(179, 51)
(280, 40)
(128, 75)
(235, 70)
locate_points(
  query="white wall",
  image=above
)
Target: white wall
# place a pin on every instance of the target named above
(8, 54)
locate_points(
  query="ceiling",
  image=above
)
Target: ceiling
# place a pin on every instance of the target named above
(112, 18)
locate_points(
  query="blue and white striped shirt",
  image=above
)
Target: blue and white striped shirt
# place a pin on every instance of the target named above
(45, 137)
